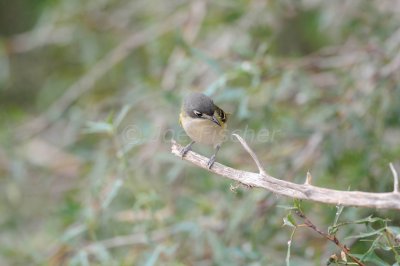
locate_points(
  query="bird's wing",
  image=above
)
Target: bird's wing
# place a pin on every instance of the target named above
(222, 115)
(180, 119)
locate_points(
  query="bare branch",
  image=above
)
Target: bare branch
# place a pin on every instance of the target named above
(395, 179)
(388, 200)
(252, 154)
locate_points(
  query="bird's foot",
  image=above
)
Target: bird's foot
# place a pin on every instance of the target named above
(211, 162)
(186, 149)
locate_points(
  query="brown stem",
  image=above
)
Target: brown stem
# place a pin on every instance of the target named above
(329, 237)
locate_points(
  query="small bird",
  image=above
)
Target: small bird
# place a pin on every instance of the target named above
(203, 122)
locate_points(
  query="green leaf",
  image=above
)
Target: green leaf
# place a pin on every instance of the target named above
(121, 115)
(373, 258)
(334, 228)
(286, 207)
(289, 221)
(73, 232)
(152, 260)
(338, 213)
(112, 194)
(297, 204)
(367, 234)
(98, 127)
(370, 219)
(371, 251)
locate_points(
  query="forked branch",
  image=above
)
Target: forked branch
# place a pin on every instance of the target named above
(388, 200)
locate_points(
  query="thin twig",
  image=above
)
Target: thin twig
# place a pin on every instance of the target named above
(252, 154)
(388, 200)
(329, 237)
(308, 178)
(395, 179)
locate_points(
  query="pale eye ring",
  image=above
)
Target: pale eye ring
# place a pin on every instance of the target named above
(197, 113)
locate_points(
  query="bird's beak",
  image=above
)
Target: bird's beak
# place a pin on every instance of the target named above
(213, 119)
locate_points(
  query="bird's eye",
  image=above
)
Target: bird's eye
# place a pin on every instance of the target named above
(197, 113)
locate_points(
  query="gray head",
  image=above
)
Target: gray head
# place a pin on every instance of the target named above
(197, 104)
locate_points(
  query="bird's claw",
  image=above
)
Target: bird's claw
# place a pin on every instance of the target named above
(185, 150)
(211, 162)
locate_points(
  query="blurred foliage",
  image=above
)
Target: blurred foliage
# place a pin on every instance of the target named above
(92, 182)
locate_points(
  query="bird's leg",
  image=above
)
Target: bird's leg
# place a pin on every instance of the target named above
(212, 159)
(186, 149)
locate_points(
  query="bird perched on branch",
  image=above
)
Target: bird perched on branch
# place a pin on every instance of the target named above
(203, 122)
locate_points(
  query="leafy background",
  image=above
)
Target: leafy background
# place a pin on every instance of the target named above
(90, 95)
